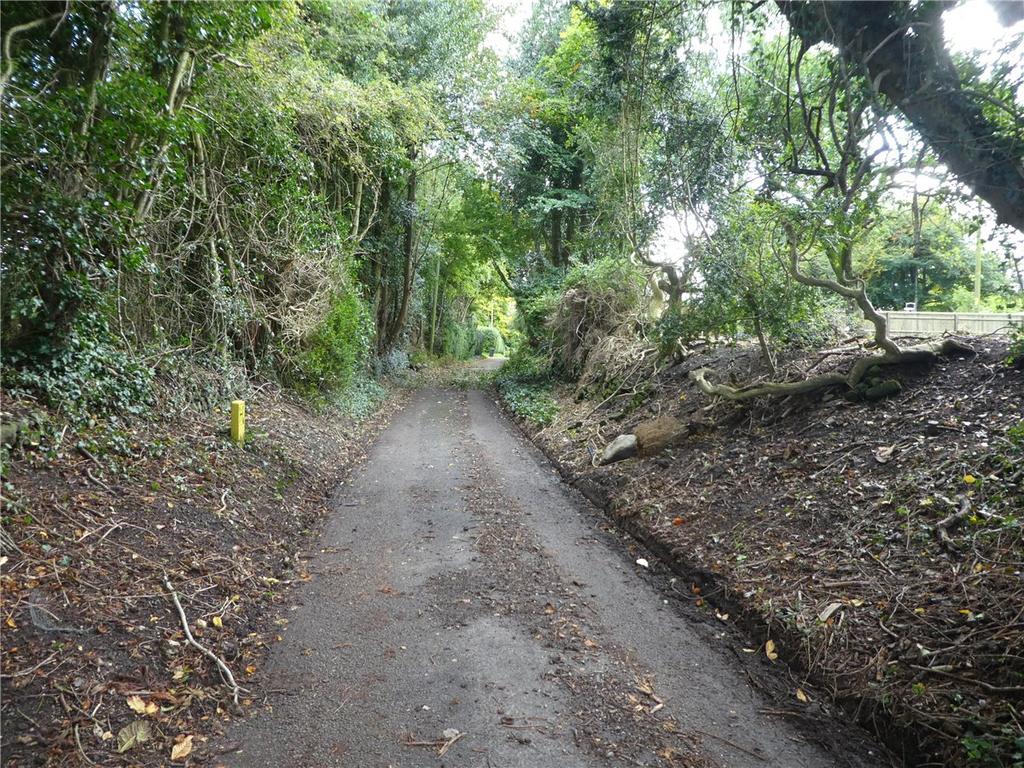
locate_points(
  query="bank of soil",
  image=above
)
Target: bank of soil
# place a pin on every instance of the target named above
(96, 667)
(877, 545)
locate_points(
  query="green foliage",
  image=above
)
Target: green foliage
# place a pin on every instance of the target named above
(934, 268)
(203, 175)
(336, 350)
(1015, 354)
(525, 383)
(748, 290)
(360, 397)
(84, 374)
(488, 341)
(537, 295)
(532, 402)
(458, 341)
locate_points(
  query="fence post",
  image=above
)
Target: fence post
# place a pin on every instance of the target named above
(956, 326)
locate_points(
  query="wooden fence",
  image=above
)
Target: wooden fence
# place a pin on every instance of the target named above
(970, 323)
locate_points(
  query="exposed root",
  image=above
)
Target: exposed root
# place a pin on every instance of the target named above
(920, 353)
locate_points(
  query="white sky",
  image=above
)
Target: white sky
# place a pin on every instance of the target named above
(512, 15)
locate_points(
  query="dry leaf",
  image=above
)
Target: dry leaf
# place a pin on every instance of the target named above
(136, 732)
(137, 705)
(802, 696)
(826, 614)
(218, 621)
(769, 650)
(182, 749)
(884, 453)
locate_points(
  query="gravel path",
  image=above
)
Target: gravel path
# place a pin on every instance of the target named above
(465, 602)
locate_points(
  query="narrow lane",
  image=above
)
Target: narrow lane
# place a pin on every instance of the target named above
(461, 588)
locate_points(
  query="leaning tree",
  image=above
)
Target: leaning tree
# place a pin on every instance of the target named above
(837, 150)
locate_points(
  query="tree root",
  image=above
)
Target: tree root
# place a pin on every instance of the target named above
(920, 353)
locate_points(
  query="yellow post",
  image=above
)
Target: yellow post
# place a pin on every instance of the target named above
(238, 421)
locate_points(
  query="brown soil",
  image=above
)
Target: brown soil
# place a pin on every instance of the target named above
(877, 545)
(97, 517)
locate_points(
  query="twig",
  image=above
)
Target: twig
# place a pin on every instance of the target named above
(732, 744)
(1004, 689)
(78, 741)
(942, 527)
(30, 670)
(224, 670)
(448, 744)
(96, 480)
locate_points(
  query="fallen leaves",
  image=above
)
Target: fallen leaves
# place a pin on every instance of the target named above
(769, 651)
(140, 707)
(182, 748)
(135, 733)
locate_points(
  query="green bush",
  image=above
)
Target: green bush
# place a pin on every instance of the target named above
(335, 352)
(488, 341)
(458, 341)
(1015, 355)
(746, 288)
(524, 383)
(525, 366)
(536, 299)
(84, 374)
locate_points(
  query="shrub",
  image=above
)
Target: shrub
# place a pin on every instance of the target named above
(525, 385)
(335, 351)
(530, 401)
(458, 340)
(85, 374)
(1015, 355)
(536, 299)
(488, 341)
(747, 290)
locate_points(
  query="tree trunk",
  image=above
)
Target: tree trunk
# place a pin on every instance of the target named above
(899, 47)
(556, 237)
(99, 55)
(395, 326)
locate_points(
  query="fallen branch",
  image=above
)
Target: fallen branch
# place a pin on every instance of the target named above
(224, 670)
(926, 352)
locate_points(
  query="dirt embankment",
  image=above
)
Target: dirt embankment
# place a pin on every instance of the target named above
(96, 665)
(877, 545)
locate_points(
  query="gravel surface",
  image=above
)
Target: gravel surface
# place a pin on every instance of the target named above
(467, 609)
